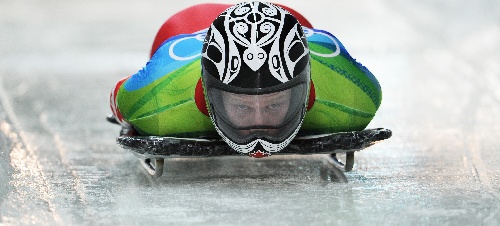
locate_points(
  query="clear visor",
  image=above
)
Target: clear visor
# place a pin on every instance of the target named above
(274, 116)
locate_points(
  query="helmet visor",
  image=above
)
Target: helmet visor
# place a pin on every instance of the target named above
(244, 117)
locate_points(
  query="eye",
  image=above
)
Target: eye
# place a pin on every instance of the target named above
(273, 106)
(242, 107)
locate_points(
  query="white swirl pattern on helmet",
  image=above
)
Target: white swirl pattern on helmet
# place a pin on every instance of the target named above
(254, 56)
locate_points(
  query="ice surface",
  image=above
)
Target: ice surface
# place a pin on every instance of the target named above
(437, 63)
(5, 147)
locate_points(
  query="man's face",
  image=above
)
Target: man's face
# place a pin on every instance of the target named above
(257, 110)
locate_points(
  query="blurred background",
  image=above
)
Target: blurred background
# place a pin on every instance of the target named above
(437, 63)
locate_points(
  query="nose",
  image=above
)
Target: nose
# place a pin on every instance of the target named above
(259, 118)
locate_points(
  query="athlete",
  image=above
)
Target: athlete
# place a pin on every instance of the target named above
(256, 74)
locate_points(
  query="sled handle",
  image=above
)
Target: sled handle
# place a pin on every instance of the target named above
(156, 169)
(349, 161)
(111, 118)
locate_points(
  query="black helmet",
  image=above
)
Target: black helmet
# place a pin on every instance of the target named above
(256, 75)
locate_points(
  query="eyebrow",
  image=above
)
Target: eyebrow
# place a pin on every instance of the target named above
(243, 97)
